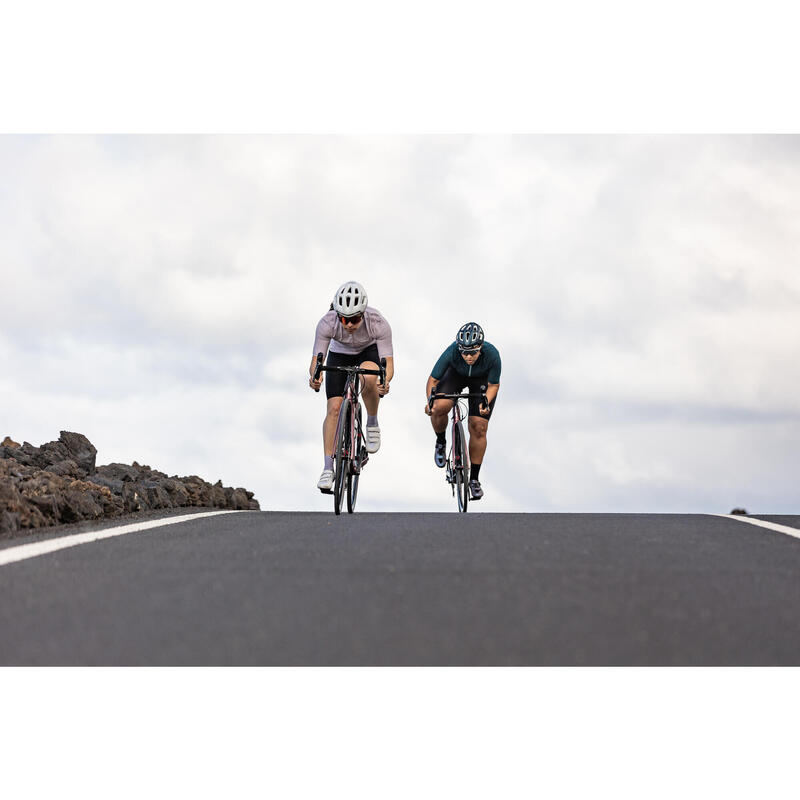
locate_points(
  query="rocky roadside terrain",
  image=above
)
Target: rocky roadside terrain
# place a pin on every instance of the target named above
(59, 483)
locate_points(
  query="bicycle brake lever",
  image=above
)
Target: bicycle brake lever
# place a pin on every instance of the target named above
(318, 369)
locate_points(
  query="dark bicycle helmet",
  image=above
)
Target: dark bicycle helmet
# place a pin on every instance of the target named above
(470, 336)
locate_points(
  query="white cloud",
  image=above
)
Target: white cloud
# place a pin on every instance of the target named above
(159, 294)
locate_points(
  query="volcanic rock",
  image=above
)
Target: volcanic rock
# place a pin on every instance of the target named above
(58, 483)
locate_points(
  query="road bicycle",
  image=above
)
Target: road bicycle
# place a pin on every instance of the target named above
(351, 454)
(456, 471)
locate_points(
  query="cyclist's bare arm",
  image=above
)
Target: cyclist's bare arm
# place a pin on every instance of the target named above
(491, 393)
(389, 375)
(314, 384)
(428, 389)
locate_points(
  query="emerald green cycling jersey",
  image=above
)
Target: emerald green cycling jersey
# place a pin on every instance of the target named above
(488, 363)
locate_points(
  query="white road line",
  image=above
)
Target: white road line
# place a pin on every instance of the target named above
(773, 526)
(23, 551)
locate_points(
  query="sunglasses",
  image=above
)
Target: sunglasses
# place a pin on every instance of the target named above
(469, 351)
(353, 320)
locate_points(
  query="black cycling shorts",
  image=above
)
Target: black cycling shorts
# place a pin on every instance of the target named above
(334, 381)
(451, 383)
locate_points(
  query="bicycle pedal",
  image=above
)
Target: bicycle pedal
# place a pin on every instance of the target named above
(326, 491)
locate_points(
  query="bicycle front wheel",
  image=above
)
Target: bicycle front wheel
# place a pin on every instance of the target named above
(353, 475)
(461, 468)
(352, 491)
(341, 457)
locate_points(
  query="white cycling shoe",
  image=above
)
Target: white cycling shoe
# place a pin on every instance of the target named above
(373, 439)
(325, 482)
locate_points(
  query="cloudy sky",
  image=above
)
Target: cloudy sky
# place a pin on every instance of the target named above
(159, 294)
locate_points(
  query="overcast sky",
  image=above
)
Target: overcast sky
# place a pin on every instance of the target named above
(160, 294)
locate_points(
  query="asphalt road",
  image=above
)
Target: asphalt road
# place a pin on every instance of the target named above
(271, 588)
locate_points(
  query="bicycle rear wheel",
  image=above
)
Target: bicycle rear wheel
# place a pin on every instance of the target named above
(353, 475)
(341, 457)
(460, 468)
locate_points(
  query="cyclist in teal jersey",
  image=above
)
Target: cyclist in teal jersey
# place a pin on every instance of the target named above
(469, 361)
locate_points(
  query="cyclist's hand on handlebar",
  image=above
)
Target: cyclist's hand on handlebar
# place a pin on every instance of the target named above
(484, 410)
(315, 384)
(428, 409)
(383, 389)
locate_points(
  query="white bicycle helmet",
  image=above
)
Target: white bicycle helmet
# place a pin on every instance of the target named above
(470, 336)
(350, 299)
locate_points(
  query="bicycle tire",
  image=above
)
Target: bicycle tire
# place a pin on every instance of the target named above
(460, 468)
(341, 460)
(352, 477)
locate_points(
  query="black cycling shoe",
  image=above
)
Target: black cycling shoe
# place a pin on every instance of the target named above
(475, 491)
(439, 454)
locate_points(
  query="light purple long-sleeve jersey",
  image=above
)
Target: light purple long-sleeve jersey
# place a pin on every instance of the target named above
(375, 328)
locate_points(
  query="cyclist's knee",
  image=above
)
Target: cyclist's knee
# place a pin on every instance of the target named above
(478, 427)
(369, 380)
(334, 404)
(442, 407)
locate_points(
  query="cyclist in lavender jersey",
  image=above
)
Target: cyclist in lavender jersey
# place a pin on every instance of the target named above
(352, 334)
